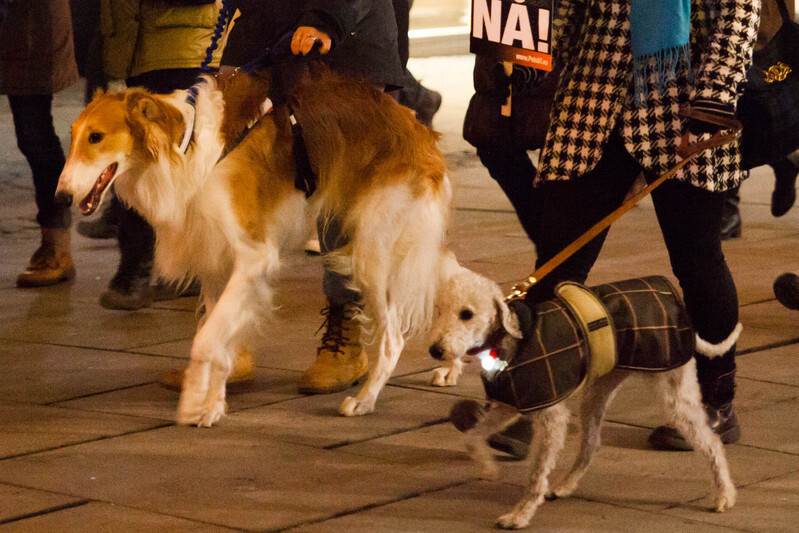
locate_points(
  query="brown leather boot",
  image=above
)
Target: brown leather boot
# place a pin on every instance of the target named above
(52, 262)
(243, 370)
(341, 361)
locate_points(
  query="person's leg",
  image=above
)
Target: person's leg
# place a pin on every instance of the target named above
(37, 140)
(515, 173)
(690, 219)
(570, 208)
(341, 361)
(130, 287)
(731, 222)
(414, 95)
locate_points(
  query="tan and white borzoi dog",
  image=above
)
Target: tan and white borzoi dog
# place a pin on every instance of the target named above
(469, 309)
(225, 221)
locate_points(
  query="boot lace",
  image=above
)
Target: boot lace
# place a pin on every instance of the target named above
(333, 338)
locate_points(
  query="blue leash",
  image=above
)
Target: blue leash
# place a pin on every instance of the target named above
(222, 21)
(305, 179)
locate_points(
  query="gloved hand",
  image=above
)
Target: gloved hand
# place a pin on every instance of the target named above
(722, 111)
(523, 79)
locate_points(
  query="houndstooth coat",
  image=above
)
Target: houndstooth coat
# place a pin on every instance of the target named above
(595, 93)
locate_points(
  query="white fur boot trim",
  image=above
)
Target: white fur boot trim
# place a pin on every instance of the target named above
(717, 350)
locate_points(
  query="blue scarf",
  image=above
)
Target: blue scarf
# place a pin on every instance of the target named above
(659, 32)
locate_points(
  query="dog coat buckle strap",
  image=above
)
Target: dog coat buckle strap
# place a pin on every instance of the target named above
(597, 326)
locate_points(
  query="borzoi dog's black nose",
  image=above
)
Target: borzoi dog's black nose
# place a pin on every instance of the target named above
(63, 198)
(436, 352)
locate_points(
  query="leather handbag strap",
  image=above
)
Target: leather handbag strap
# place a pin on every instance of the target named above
(786, 17)
(731, 131)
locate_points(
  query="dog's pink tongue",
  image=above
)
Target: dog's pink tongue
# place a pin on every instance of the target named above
(91, 202)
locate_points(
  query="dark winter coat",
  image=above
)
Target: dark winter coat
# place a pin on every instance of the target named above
(37, 54)
(364, 34)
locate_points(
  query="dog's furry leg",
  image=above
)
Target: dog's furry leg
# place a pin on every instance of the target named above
(202, 400)
(498, 417)
(595, 401)
(683, 402)
(390, 345)
(549, 434)
(447, 376)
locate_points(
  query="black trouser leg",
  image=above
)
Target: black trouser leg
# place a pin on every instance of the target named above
(514, 172)
(38, 142)
(690, 219)
(570, 208)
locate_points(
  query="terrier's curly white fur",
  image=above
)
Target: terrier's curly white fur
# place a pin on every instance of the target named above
(469, 308)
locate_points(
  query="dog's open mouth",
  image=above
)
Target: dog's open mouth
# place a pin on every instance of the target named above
(93, 200)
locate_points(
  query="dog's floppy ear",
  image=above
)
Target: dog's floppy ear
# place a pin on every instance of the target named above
(510, 322)
(157, 124)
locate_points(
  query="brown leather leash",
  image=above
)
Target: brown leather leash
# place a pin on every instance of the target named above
(687, 151)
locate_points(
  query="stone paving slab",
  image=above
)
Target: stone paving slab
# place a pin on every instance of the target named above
(770, 505)
(230, 476)
(313, 420)
(77, 324)
(473, 507)
(108, 518)
(18, 502)
(46, 373)
(26, 428)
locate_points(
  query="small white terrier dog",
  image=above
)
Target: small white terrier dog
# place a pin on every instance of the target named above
(471, 309)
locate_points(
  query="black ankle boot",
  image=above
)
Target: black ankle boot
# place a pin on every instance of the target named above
(128, 291)
(513, 440)
(721, 420)
(717, 396)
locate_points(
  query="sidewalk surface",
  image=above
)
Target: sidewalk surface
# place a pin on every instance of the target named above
(88, 441)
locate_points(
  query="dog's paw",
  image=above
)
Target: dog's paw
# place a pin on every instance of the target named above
(202, 416)
(512, 520)
(200, 410)
(444, 377)
(211, 415)
(725, 501)
(354, 407)
(561, 491)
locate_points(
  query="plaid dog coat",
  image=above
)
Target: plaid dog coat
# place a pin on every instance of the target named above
(642, 325)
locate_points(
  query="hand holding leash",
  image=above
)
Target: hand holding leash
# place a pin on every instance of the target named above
(306, 38)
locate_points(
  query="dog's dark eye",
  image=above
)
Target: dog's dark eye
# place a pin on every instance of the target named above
(94, 138)
(466, 314)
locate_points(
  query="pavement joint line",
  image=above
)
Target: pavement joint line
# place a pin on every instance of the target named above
(423, 425)
(88, 441)
(92, 394)
(765, 347)
(375, 505)
(42, 512)
(444, 391)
